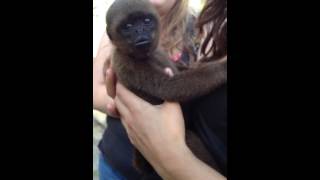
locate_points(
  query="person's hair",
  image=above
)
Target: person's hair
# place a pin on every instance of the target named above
(213, 19)
(175, 23)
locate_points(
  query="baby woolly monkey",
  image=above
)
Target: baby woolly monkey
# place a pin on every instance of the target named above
(139, 63)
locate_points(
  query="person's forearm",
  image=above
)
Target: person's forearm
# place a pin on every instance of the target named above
(183, 165)
(100, 96)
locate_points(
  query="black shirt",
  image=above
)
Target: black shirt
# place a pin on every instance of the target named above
(117, 149)
(209, 122)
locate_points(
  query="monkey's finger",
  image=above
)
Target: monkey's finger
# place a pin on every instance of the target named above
(111, 83)
(168, 71)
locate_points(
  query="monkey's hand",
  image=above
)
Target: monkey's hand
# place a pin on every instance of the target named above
(168, 71)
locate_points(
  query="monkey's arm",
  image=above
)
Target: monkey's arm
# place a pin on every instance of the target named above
(149, 79)
(188, 84)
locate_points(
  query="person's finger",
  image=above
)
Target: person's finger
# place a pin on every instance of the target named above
(122, 109)
(129, 99)
(128, 130)
(171, 105)
(112, 110)
(125, 117)
(111, 83)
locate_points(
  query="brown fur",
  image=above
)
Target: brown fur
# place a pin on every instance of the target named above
(148, 77)
(144, 74)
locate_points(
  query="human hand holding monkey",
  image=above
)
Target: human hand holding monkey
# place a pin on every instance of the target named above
(157, 131)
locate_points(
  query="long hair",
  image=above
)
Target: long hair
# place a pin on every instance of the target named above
(175, 25)
(213, 20)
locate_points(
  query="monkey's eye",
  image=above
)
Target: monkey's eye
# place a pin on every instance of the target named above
(147, 20)
(128, 26)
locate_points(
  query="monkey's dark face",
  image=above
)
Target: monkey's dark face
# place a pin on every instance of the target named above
(139, 32)
(136, 34)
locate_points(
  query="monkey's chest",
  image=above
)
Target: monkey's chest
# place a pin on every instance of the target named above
(138, 84)
(141, 79)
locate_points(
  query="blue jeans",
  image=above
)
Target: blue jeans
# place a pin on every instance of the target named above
(106, 172)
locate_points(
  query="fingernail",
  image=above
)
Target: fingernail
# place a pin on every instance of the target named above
(108, 72)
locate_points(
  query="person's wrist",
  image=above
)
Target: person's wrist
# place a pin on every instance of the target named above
(173, 160)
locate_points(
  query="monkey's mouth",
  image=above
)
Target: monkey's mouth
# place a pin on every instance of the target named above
(144, 44)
